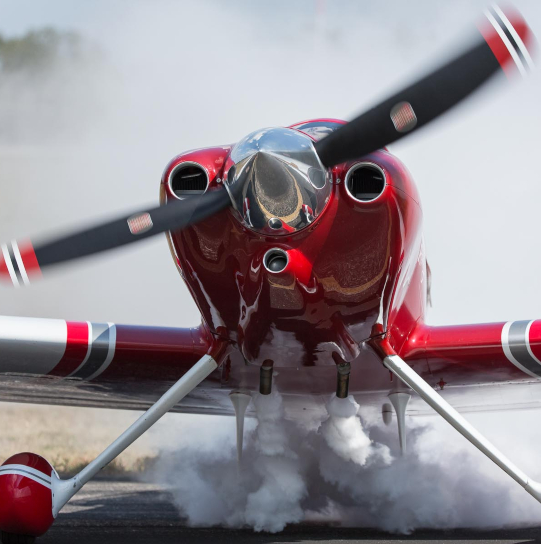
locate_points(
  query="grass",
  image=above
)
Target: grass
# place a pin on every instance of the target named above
(70, 437)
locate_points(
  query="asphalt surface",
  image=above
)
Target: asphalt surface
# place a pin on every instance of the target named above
(123, 512)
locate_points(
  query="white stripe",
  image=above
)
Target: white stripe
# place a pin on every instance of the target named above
(32, 470)
(507, 43)
(9, 264)
(31, 345)
(89, 349)
(528, 347)
(20, 263)
(110, 353)
(509, 355)
(27, 472)
(515, 35)
(26, 475)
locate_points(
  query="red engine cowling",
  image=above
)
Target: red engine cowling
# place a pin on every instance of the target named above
(25, 495)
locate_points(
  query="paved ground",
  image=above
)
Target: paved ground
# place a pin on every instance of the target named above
(136, 513)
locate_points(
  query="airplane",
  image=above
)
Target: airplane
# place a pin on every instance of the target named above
(302, 247)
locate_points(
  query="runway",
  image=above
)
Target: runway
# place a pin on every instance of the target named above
(125, 512)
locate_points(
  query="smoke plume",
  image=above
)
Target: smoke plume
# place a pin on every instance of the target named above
(346, 469)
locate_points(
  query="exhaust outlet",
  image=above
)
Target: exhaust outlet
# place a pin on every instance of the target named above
(275, 260)
(265, 377)
(342, 383)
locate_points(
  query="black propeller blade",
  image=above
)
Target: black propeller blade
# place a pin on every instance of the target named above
(502, 42)
(18, 261)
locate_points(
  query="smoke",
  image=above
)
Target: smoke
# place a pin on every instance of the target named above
(266, 492)
(344, 435)
(345, 469)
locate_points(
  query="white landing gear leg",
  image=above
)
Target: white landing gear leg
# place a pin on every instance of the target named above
(240, 403)
(400, 400)
(400, 369)
(63, 490)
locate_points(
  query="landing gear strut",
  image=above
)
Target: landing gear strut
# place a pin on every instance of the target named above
(403, 371)
(32, 511)
(63, 490)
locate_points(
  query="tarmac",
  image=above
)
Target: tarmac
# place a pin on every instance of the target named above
(127, 512)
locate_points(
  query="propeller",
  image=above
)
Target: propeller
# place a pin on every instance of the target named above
(503, 45)
(20, 261)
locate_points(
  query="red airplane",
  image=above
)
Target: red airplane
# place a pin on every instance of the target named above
(302, 247)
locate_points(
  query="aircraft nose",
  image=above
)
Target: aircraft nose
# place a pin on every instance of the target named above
(276, 178)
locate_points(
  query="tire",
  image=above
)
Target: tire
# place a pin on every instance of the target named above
(12, 538)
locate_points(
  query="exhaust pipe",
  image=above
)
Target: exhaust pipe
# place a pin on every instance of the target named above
(342, 383)
(265, 377)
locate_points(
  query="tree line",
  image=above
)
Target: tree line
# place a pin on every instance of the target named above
(39, 50)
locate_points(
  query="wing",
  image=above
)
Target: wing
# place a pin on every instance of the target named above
(53, 361)
(482, 366)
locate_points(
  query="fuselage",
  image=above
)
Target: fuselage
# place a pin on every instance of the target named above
(358, 270)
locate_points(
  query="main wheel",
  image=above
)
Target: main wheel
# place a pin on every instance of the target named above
(12, 538)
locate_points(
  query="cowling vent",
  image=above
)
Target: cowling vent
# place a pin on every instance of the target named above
(365, 181)
(188, 179)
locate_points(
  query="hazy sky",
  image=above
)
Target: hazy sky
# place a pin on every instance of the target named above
(190, 74)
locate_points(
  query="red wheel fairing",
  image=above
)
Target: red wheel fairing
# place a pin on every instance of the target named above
(25, 495)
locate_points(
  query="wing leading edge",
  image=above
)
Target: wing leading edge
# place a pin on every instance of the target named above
(479, 353)
(105, 365)
(99, 352)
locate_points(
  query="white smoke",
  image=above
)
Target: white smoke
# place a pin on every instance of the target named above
(346, 470)
(268, 490)
(345, 436)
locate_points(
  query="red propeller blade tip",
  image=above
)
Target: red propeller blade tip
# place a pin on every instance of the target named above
(509, 38)
(18, 263)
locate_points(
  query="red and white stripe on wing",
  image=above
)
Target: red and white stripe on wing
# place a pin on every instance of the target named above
(87, 351)
(521, 343)
(479, 353)
(55, 347)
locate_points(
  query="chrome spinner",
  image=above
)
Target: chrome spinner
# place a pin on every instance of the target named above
(275, 173)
